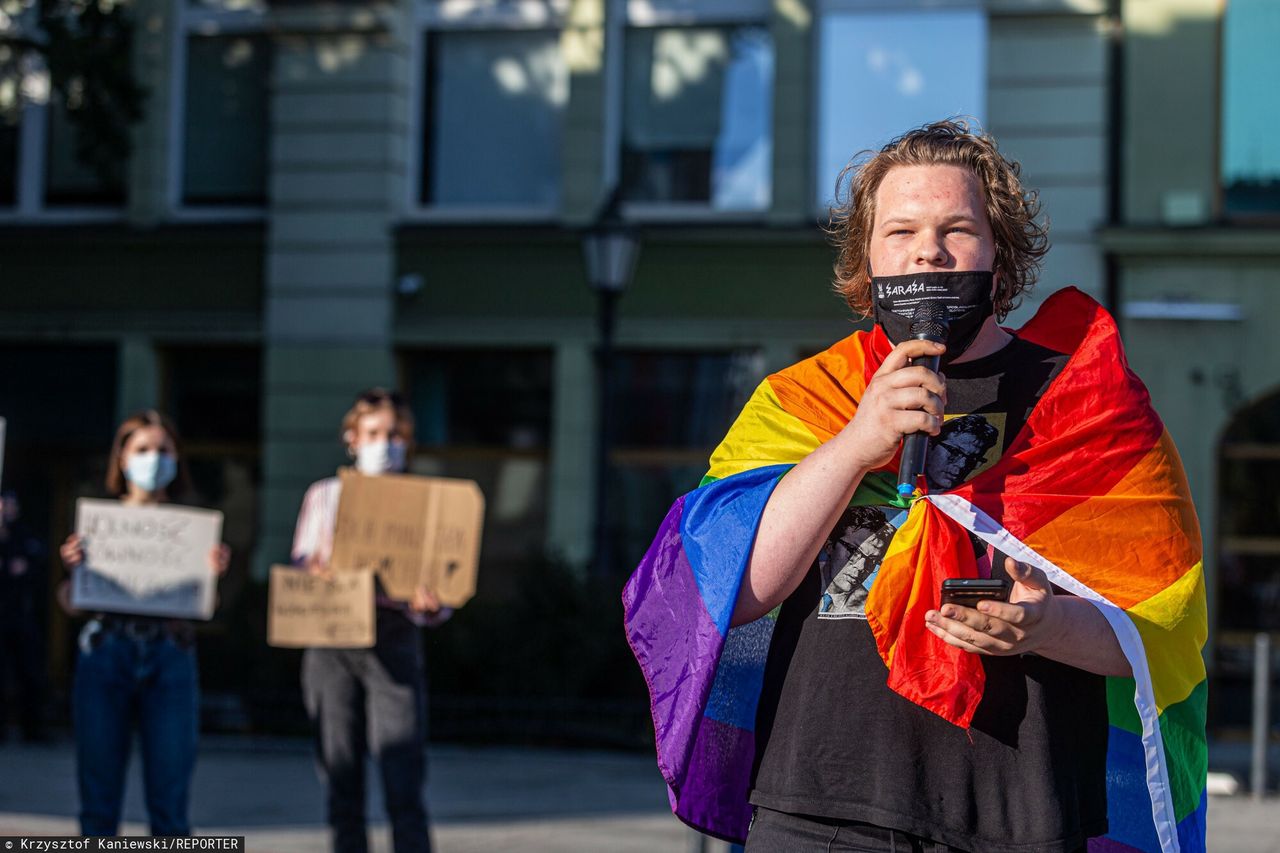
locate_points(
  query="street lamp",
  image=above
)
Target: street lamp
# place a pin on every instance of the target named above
(610, 249)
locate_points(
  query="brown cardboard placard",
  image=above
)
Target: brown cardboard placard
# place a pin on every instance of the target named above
(309, 611)
(412, 531)
(453, 543)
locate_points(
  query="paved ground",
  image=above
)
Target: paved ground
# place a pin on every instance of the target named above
(480, 799)
(533, 801)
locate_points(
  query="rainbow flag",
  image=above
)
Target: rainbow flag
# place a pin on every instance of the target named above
(1091, 491)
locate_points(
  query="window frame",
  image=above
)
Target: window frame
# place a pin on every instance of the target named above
(188, 22)
(437, 17)
(668, 14)
(31, 161)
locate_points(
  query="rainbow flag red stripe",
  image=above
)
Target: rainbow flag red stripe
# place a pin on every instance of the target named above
(1091, 491)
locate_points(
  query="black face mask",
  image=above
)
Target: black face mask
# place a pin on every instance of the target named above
(966, 296)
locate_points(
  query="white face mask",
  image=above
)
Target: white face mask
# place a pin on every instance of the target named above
(151, 471)
(379, 457)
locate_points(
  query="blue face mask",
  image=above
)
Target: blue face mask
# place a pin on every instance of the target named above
(151, 471)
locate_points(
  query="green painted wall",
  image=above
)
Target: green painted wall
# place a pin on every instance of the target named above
(499, 274)
(209, 268)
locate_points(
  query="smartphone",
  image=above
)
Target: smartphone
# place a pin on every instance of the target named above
(969, 591)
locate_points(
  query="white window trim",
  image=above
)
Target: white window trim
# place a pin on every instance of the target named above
(467, 16)
(658, 212)
(829, 6)
(685, 13)
(510, 14)
(189, 22)
(688, 13)
(29, 205)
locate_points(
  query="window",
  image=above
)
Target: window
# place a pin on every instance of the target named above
(673, 408)
(221, 102)
(8, 162)
(214, 393)
(1250, 108)
(68, 180)
(489, 103)
(882, 73)
(56, 450)
(43, 175)
(224, 153)
(697, 123)
(485, 415)
(495, 108)
(1247, 574)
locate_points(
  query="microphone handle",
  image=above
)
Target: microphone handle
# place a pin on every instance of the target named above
(915, 446)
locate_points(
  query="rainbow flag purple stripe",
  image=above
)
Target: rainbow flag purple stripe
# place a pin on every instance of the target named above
(704, 696)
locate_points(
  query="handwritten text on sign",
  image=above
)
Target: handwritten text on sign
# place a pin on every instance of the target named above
(309, 611)
(150, 560)
(413, 531)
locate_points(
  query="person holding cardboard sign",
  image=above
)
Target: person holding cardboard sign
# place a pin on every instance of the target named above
(369, 699)
(137, 673)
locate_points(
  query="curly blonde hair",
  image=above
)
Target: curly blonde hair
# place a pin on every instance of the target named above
(377, 399)
(1014, 212)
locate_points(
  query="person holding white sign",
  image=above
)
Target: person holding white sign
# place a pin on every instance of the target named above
(137, 673)
(369, 700)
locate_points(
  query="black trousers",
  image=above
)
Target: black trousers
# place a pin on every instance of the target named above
(372, 702)
(779, 832)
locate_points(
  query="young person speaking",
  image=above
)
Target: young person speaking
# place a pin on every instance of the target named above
(811, 687)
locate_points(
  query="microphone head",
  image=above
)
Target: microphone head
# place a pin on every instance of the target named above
(930, 322)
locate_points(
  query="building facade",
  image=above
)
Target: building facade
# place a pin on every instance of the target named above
(324, 197)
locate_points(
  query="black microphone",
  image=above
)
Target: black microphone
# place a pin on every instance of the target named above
(930, 322)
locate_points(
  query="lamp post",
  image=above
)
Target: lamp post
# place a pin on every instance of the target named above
(610, 249)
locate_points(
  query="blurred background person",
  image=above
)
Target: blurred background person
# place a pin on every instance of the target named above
(369, 701)
(137, 673)
(23, 577)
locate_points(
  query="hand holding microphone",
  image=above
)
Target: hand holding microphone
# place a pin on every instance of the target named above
(930, 322)
(903, 397)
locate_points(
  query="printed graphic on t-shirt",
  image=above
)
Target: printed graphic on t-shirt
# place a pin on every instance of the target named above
(850, 559)
(966, 446)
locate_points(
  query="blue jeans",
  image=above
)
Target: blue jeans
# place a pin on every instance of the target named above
(126, 682)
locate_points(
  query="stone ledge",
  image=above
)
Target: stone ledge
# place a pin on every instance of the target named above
(1210, 241)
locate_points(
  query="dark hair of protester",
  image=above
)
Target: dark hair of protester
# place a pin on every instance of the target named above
(116, 483)
(376, 399)
(1021, 240)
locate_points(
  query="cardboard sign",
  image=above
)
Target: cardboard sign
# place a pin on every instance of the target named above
(151, 560)
(453, 540)
(412, 531)
(306, 611)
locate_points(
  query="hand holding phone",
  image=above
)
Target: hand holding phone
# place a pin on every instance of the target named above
(967, 592)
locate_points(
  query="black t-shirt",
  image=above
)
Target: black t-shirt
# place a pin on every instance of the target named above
(835, 742)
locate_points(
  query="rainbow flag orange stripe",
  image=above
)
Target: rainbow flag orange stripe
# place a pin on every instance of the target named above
(1091, 491)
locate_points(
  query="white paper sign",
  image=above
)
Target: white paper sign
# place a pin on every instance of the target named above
(147, 560)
